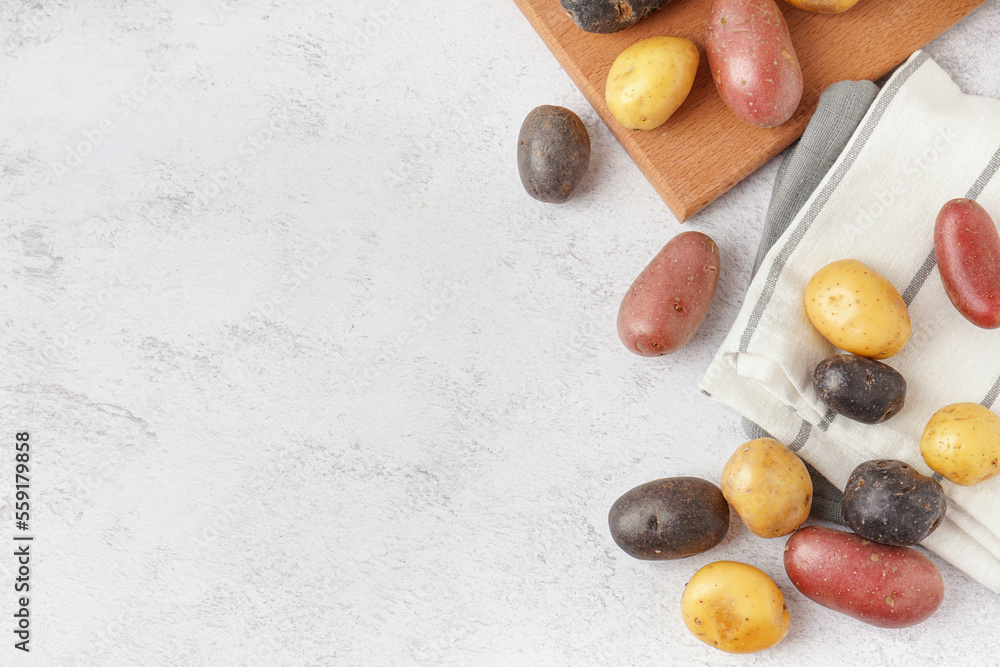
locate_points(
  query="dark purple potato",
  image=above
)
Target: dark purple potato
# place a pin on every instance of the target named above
(669, 518)
(861, 389)
(609, 15)
(889, 502)
(553, 153)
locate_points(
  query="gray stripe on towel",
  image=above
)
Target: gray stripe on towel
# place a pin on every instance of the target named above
(992, 395)
(827, 420)
(864, 134)
(910, 293)
(984, 178)
(925, 269)
(802, 437)
(974, 192)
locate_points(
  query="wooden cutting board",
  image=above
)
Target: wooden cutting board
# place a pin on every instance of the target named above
(703, 150)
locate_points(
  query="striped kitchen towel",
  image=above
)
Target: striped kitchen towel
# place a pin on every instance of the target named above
(921, 143)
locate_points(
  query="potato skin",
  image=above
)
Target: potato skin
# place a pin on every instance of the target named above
(671, 297)
(823, 6)
(735, 608)
(768, 486)
(967, 246)
(857, 309)
(553, 153)
(961, 442)
(753, 62)
(889, 502)
(669, 518)
(649, 80)
(606, 16)
(882, 585)
(859, 388)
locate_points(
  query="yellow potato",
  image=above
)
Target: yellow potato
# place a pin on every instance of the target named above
(857, 310)
(649, 80)
(961, 442)
(823, 6)
(734, 607)
(768, 486)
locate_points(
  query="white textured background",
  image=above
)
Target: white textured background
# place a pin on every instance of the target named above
(310, 380)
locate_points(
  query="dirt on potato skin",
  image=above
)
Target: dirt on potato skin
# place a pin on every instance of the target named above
(668, 301)
(889, 502)
(607, 16)
(862, 389)
(553, 153)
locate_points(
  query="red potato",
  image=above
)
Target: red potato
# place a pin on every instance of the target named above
(669, 300)
(886, 586)
(968, 255)
(753, 62)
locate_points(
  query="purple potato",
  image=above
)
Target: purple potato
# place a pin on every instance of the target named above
(604, 16)
(669, 518)
(859, 388)
(553, 153)
(889, 502)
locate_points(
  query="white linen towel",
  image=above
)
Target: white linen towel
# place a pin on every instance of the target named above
(921, 143)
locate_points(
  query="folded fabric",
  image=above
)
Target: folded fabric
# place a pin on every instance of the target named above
(921, 143)
(841, 108)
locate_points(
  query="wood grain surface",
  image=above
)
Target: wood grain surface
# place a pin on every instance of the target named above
(703, 149)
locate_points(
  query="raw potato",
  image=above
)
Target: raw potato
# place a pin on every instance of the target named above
(823, 6)
(649, 80)
(961, 442)
(753, 62)
(768, 486)
(735, 608)
(857, 310)
(891, 587)
(553, 153)
(887, 501)
(968, 255)
(669, 300)
(859, 388)
(669, 518)
(605, 16)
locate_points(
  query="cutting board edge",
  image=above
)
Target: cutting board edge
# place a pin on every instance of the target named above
(685, 205)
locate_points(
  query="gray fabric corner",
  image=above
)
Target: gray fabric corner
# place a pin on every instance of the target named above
(841, 108)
